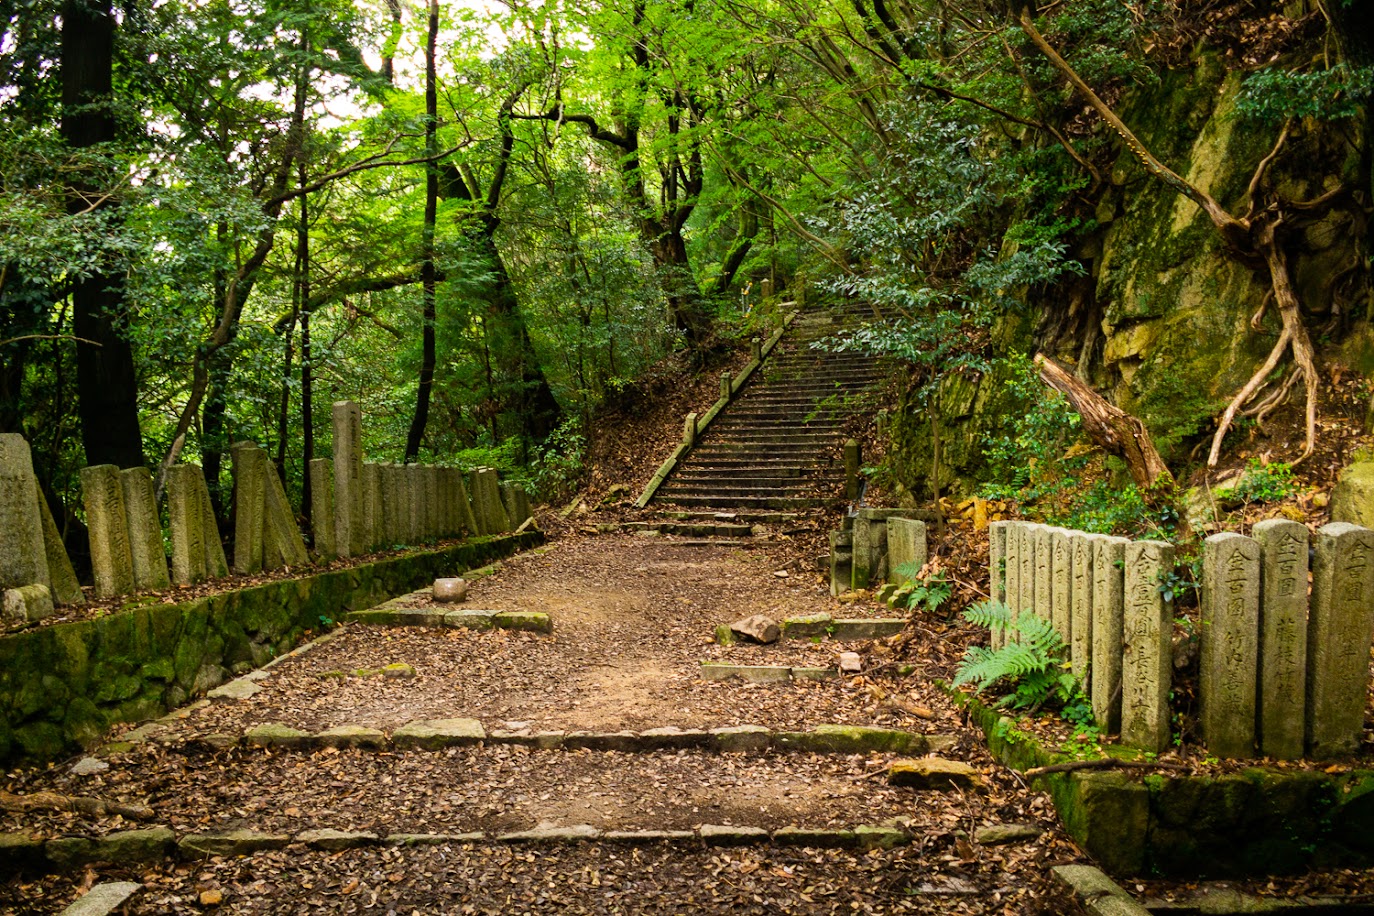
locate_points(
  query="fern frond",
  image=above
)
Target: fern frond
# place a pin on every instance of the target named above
(989, 614)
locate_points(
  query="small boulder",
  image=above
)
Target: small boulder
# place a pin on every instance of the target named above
(28, 603)
(88, 766)
(1352, 500)
(1000, 834)
(933, 773)
(757, 628)
(450, 590)
(850, 663)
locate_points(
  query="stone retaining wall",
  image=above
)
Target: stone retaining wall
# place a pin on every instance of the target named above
(62, 686)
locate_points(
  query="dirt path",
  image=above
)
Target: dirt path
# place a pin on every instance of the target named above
(633, 619)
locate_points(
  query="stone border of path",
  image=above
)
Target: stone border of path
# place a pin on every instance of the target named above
(1261, 820)
(696, 425)
(152, 844)
(439, 734)
(469, 618)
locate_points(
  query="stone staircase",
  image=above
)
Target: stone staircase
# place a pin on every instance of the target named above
(777, 446)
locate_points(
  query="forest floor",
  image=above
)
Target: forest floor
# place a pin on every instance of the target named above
(633, 618)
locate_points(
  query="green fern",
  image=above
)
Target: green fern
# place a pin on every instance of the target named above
(1030, 659)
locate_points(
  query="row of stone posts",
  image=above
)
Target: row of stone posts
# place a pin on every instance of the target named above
(1282, 674)
(357, 507)
(377, 506)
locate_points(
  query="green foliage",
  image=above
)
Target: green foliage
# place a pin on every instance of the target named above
(1029, 665)
(1273, 95)
(1263, 483)
(1027, 459)
(928, 592)
(559, 466)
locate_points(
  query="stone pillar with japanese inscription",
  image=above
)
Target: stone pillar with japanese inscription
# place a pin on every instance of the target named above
(1338, 639)
(1108, 613)
(1283, 637)
(145, 530)
(250, 506)
(415, 504)
(372, 505)
(1027, 563)
(997, 573)
(349, 536)
(1147, 647)
(1043, 588)
(184, 515)
(1061, 583)
(1081, 608)
(111, 559)
(1230, 644)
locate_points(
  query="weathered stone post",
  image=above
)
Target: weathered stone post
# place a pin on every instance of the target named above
(250, 506)
(372, 505)
(1081, 608)
(906, 549)
(349, 537)
(282, 541)
(853, 459)
(766, 290)
(1147, 652)
(522, 506)
(727, 390)
(999, 573)
(1061, 582)
(145, 530)
(391, 505)
(1108, 611)
(415, 500)
(870, 539)
(1283, 637)
(1338, 638)
(188, 527)
(66, 589)
(689, 430)
(841, 561)
(111, 559)
(1026, 552)
(1230, 644)
(1044, 572)
(487, 495)
(23, 557)
(465, 507)
(322, 507)
(756, 349)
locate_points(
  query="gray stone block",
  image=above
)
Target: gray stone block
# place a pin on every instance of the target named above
(349, 537)
(66, 589)
(28, 603)
(1147, 653)
(111, 557)
(1108, 610)
(906, 549)
(1081, 607)
(23, 557)
(1230, 644)
(250, 506)
(145, 530)
(1338, 639)
(322, 508)
(103, 899)
(1283, 637)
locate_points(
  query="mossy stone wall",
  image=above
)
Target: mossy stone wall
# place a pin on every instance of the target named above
(63, 686)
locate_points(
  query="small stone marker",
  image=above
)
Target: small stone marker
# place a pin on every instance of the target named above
(145, 530)
(758, 628)
(1061, 583)
(1283, 637)
(373, 531)
(111, 560)
(487, 501)
(1081, 608)
(1338, 637)
(465, 511)
(1230, 644)
(415, 505)
(1027, 552)
(850, 663)
(393, 504)
(906, 549)
(23, 558)
(322, 507)
(1108, 610)
(191, 531)
(841, 562)
(852, 462)
(348, 483)
(450, 590)
(28, 603)
(1147, 652)
(689, 430)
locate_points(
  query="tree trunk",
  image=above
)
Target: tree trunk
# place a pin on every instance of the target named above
(1112, 429)
(427, 276)
(107, 386)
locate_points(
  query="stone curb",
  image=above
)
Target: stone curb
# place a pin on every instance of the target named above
(103, 899)
(1099, 894)
(470, 618)
(820, 626)
(437, 734)
(50, 856)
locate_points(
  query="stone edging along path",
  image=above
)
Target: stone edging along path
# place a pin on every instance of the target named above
(62, 686)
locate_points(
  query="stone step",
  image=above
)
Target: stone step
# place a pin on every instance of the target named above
(766, 518)
(694, 529)
(708, 480)
(755, 502)
(453, 616)
(740, 488)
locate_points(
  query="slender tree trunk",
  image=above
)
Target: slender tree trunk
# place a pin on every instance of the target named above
(307, 377)
(107, 385)
(427, 275)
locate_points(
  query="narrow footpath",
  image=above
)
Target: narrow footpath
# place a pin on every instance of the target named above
(399, 769)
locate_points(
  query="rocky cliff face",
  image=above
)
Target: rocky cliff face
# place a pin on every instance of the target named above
(1161, 321)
